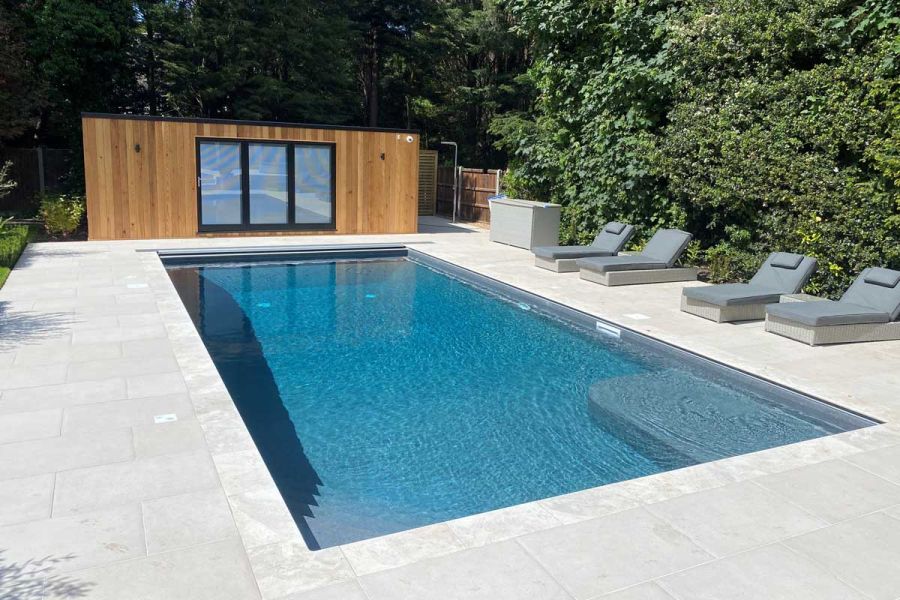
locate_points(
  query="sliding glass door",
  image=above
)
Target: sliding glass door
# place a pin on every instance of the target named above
(259, 185)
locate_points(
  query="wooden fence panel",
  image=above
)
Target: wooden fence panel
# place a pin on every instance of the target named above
(475, 187)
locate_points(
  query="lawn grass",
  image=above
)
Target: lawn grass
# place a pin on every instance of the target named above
(4, 273)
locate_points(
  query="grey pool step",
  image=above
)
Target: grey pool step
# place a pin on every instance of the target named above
(676, 419)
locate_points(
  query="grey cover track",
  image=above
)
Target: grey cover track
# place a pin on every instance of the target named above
(610, 241)
(661, 252)
(781, 273)
(873, 298)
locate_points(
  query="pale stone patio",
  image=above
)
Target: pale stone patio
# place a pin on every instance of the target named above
(98, 500)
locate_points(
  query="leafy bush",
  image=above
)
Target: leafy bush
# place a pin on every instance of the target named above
(758, 125)
(62, 214)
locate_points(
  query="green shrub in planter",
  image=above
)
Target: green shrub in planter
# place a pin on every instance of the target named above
(62, 214)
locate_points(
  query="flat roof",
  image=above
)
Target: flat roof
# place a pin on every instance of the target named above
(93, 115)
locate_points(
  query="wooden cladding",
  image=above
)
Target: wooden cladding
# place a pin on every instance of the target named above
(141, 175)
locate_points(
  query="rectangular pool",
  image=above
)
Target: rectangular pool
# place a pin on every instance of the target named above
(390, 393)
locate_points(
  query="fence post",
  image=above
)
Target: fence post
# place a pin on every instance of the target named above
(40, 166)
(497, 182)
(457, 192)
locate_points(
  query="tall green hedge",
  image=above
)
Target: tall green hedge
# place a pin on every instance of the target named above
(756, 124)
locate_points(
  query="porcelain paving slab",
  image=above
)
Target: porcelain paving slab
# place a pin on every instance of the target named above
(734, 518)
(834, 490)
(26, 499)
(61, 396)
(80, 541)
(884, 462)
(24, 426)
(590, 503)
(216, 571)
(501, 571)
(126, 413)
(768, 573)
(187, 520)
(60, 453)
(605, 554)
(406, 547)
(176, 437)
(864, 552)
(289, 567)
(83, 490)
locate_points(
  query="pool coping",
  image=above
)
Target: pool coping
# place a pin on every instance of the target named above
(305, 569)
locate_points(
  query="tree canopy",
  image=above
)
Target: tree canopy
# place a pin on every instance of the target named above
(446, 67)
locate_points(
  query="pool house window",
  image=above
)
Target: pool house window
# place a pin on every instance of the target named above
(258, 185)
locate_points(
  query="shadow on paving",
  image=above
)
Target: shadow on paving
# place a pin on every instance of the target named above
(21, 327)
(36, 579)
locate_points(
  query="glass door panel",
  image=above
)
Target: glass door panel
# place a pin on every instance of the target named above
(313, 184)
(268, 177)
(220, 183)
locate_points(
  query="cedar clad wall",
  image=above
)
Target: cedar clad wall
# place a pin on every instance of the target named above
(153, 193)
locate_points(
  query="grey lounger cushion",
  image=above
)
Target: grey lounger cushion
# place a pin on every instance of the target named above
(661, 252)
(733, 294)
(666, 245)
(610, 241)
(883, 277)
(605, 264)
(784, 272)
(872, 289)
(558, 252)
(785, 260)
(827, 312)
(871, 299)
(781, 273)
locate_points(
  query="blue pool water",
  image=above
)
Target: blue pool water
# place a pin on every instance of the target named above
(385, 395)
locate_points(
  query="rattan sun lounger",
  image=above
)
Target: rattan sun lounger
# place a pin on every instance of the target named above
(782, 273)
(654, 264)
(609, 242)
(867, 312)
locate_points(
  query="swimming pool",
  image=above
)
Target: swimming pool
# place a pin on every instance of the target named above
(390, 393)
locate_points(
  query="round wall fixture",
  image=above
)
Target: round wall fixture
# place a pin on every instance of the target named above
(409, 139)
